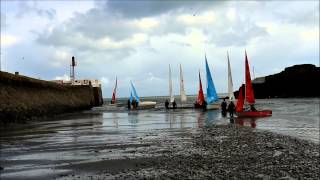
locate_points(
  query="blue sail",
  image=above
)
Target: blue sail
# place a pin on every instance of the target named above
(211, 90)
(135, 93)
(131, 97)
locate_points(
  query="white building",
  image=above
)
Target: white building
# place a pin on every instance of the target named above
(77, 82)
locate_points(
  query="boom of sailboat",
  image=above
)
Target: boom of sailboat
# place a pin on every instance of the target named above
(211, 100)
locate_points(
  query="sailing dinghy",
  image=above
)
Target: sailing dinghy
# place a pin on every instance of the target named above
(200, 100)
(113, 100)
(141, 104)
(230, 83)
(170, 86)
(248, 97)
(183, 97)
(212, 97)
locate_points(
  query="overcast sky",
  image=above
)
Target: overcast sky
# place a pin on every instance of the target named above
(137, 40)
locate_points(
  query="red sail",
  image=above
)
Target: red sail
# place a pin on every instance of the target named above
(249, 91)
(200, 95)
(240, 101)
(113, 100)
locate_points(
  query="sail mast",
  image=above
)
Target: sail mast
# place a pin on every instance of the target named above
(183, 96)
(170, 86)
(114, 93)
(230, 83)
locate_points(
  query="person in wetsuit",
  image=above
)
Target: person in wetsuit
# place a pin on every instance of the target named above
(166, 104)
(231, 108)
(204, 105)
(174, 105)
(252, 108)
(129, 104)
(223, 107)
(133, 104)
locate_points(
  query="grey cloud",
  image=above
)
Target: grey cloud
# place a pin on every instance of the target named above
(27, 8)
(240, 36)
(301, 17)
(296, 12)
(148, 8)
(98, 23)
(113, 20)
(3, 20)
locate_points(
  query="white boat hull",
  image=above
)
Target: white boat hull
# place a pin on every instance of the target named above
(213, 106)
(147, 105)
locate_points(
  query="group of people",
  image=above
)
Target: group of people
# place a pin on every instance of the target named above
(132, 104)
(174, 104)
(231, 108)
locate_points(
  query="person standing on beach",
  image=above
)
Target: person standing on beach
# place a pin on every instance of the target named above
(174, 104)
(231, 108)
(133, 104)
(224, 106)
(129, 104)
(204, 106)
(166, 104)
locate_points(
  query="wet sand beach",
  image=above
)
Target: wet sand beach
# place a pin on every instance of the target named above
(219, 152)
(111, 143)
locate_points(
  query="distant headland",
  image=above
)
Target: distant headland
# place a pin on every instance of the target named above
(295, 81)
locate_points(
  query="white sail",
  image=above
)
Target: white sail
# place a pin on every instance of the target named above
(170, 86)
(182, 92)
(230, 83)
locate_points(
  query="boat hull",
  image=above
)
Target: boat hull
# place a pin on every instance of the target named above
(147, 105)
(213, 106)
(198, 106)
(263, 113)
(209, 106)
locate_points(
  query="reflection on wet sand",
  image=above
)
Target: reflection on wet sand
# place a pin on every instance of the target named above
(252, 122)
(211, 116)
(200, 119)
(170, 117)
(133, 118)
(115, 120)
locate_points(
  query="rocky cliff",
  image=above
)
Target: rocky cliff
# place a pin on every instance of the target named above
(22, 98)
(295, 81)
